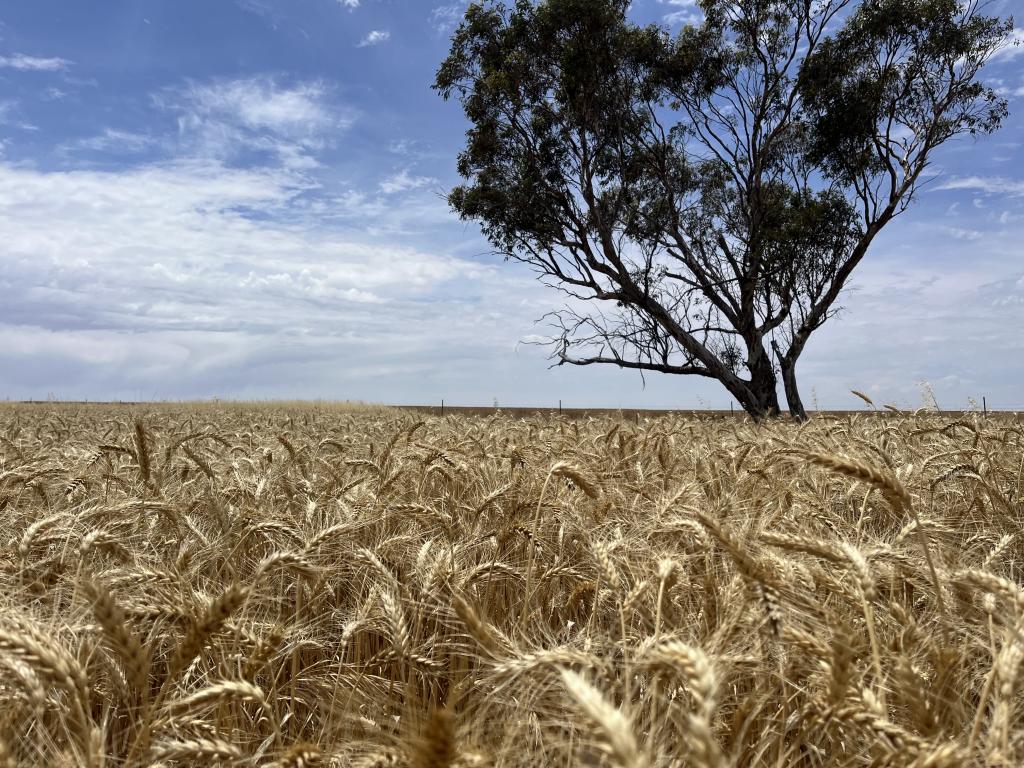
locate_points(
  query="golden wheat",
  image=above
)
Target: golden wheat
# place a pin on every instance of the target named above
(308, 585)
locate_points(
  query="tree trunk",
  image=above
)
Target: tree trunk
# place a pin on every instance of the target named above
(796, 406)
(759, 397)
(761, 409)
(765, 401)
(787, 366)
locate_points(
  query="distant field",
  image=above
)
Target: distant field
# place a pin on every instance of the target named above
(296, 585)
(652, 413)
(513, 411)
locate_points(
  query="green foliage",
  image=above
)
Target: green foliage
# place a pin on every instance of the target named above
(893, 61)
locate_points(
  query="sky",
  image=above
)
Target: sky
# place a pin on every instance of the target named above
(244, 199)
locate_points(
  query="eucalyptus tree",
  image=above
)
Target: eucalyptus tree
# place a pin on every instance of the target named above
(703, 198)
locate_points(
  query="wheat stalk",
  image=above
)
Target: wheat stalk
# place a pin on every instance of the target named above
(895, 493)
(111, 618)
(614, 730)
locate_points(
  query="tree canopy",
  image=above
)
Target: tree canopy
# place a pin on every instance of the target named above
(703, 198)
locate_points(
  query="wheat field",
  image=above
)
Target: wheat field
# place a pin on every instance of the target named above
(289, 585)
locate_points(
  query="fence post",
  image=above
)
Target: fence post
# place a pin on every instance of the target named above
(984, 405)
(442, 406)
(559, 407)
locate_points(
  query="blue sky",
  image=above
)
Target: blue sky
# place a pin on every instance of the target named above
(244, 198)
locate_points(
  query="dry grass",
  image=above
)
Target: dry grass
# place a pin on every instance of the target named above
(288, 586)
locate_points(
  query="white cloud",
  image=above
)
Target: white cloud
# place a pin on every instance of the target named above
(445, 18)
(221, 118)
(33, 63)
(692, 18)
(223, 271)
(264, 9)
(259, 103)
(963, 234)
(689, 13)
(906, 323)
(1014, 46)
(376, 37)
(401, 147)
(112, 140)
(350, 4)
(993, 185)
(403, 182)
